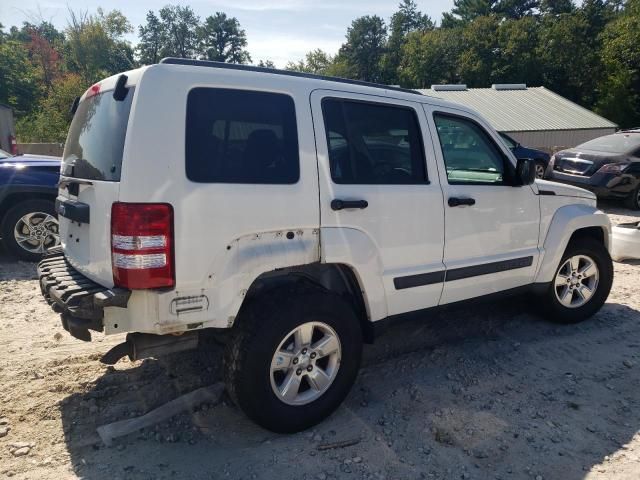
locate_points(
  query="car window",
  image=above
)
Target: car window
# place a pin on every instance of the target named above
(373, 143)
(4, 154)
(95, 142)
(241, 136)
(469, 153)
(509, 142)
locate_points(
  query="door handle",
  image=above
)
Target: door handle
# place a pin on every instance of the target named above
(337, 204)
(458, 202)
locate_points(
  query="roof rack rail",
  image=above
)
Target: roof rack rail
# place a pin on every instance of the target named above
(290, 73)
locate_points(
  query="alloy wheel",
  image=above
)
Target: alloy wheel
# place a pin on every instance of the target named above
(576, 281)
(37, 232)
(306, 363)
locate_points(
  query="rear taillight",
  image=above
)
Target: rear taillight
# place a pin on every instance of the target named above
(13, 145)
(142, 245)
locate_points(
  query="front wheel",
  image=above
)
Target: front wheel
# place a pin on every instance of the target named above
(633, 200)
(293, 358)
(540, 169)
(581, 284)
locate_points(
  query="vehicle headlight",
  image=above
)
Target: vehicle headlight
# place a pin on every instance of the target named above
(614, 168)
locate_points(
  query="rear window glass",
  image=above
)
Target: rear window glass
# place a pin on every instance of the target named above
(616, 143)
(96, 138)
(240, 136)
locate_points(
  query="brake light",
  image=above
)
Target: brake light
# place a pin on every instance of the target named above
(13, 145)
(142, 245)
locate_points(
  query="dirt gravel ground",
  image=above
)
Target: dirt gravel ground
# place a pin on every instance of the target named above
(493, 393)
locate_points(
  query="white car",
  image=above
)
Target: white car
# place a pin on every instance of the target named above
(298, 214)
(625, 241)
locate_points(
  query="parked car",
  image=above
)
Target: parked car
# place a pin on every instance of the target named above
(540, 157)
(625, 241)
(609, 166)
(28, 188)
(294, 216)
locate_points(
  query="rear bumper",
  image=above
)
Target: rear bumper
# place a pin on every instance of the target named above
(79, 301)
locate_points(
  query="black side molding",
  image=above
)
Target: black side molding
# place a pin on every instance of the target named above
(418, 280)
(546, 192)
(422, 279)
(73, 210)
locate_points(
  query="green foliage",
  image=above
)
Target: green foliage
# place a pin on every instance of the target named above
(18, 77)
(153, 38)
(94, 45)
(431, 57)
(316, 62)
(222, 39)
(620, 90)
(181, 27)
(365, 47)
(50, 121)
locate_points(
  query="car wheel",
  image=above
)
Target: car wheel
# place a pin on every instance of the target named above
(540, 169)
(633, 200)
(30, 229)
(293, 357)
(581, 284)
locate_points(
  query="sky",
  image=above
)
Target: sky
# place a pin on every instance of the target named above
(277, 30)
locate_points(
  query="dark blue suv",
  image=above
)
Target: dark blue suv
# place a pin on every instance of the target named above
(28, 189)
(540, 158)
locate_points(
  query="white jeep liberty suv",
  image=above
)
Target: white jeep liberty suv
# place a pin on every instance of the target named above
(298, 213)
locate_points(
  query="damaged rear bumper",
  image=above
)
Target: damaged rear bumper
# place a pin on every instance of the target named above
(79, 300)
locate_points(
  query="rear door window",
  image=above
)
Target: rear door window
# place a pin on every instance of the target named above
(241, 136)
(96, 138)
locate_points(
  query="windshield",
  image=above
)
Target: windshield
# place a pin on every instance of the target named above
(96, 138)
(616, 143)
(4, 154)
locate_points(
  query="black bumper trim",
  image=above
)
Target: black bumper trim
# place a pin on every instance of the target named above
(79, 300)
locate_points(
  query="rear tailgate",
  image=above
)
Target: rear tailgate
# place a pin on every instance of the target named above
(90, 175)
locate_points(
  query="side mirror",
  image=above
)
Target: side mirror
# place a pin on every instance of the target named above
(525, 172)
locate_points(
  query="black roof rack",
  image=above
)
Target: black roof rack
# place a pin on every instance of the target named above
(290, 73)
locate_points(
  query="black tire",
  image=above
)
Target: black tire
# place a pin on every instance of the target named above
(265, 322)
(12, 217)
(540, 164)
(551, 307)
(633, 200)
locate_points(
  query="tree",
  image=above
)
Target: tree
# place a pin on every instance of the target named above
(181, 25)
(153, 40)
(18, 77)
(556, 7)
(366, 44)
(221, 39)
(465, 11)
(478, 55)
(431, 57)
(266, 64)
(317, 62)
(95, 47)
(620, 89)
(45, 57)
(516, 60)
(50, 121)
(406, 20)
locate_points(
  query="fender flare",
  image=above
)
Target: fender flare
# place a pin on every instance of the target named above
(565, 222)
(357, 250)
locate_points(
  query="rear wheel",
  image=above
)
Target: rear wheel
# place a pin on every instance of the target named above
(293, 358)
(581, 284)
(30, 228)
(633, 200)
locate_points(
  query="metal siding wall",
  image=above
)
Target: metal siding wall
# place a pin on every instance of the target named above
(554, 140)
